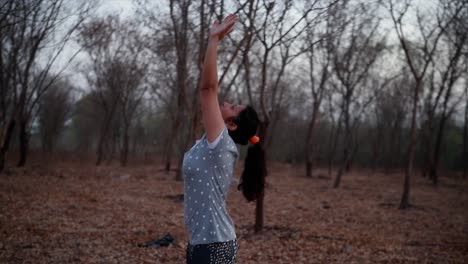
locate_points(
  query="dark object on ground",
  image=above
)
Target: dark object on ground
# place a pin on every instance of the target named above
(157, 243)
(386, 205)
(178, 198)
(324, 205)
(323, 176)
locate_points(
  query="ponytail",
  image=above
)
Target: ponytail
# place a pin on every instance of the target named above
(252, 181)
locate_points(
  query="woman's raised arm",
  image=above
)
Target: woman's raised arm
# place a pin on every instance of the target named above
(212, 119)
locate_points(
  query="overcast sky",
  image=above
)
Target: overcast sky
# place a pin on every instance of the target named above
(117, 6)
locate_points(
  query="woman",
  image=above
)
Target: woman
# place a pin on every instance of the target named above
(208, 165)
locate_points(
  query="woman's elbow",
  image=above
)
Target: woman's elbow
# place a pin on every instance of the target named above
(209, 86)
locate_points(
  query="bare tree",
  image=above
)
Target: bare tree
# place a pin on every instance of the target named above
(133, 70)
(451, 71)
(85, 116)
(355, 49)
(54, 110)
(130, 73)
(268, 26)
(117, 77)
(102, 44)
(465, 135)
(319, 59)
(390, 108)
(418, 60)
(180, 24)
(28, 29)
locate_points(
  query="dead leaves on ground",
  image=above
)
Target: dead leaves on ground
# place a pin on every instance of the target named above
(83, 214)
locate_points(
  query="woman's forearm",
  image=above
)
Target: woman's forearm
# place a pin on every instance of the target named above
(209, 80)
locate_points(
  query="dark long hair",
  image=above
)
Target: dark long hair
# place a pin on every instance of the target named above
(252, 181)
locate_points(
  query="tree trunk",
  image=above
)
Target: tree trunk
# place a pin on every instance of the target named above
(332, 148)
(404, 204)
(352, 156)
(170, 143)
(436, 156)
(346, 143)
(259, 213)
(23, 143)
(427, 139)
(258, 227)
(134, 143)
(465, 139)
(343, 165)
(5, 143)
(113, 145)
(309, 147)
(125, 147)
(440, 135)
(378, 144)
(181, 44)
(100, 148)
(183, 142)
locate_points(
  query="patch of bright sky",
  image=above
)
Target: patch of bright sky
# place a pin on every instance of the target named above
(123, 7)
(126, 8)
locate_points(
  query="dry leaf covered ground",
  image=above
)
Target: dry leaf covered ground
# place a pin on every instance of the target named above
(78, 213)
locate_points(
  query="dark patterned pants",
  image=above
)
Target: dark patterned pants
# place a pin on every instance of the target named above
(214, 253)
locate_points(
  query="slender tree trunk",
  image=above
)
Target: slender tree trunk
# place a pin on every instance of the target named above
(394, 148)
(182, 145)
(100, 149)
(186, 138)
(341, 170)
(170, 143)
(377, 146)
(134, 144)
(404, 204)
(352, 156)
(465, 139)
(101, 142)
(346, 150)
(427, 139)
(436, 157)
(181, 43)
(375, 156)
(111, 146)
(397, 160)
(5, 141)
(125, 147)
(259, 213)
(332, 148)
(309, 147)
(23, 142)
(440, 135)
(259, 209)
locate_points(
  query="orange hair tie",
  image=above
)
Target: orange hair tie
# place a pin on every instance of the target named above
(254, 140)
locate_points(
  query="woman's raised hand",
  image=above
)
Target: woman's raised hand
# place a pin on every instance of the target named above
(220, 30)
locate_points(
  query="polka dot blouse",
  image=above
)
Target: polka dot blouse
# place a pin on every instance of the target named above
(208, 170)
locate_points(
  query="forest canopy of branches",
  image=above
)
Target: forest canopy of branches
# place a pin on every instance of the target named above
(338, 83)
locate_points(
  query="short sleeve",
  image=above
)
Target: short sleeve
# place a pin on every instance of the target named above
(213, 144)
(223, 142)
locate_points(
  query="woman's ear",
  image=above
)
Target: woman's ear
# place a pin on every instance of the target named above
(231, 125)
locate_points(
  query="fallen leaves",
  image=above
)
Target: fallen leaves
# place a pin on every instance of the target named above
(77, 213)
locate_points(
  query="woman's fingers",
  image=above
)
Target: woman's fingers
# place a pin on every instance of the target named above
(231, 16)
(230, 23)
(228, 30)
(225, 27)
(230, 19)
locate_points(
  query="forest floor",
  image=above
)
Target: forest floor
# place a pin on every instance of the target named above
(78, 213)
